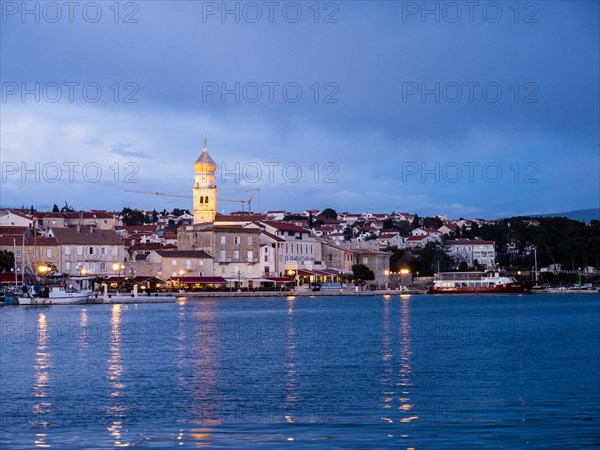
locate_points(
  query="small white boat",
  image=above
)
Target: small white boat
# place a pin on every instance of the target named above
(69, 294)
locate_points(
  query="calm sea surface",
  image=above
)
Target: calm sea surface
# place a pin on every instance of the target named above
(346, 372)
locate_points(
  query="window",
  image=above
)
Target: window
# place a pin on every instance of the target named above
(250, 255)
(236, 255)
(91, 250)
(223, 255)
(173, 262)
(68, 250)
(79, 250)
(267, 259)
(103, 267)
(103, 250)
(173, 274)
(188, 264)
(223, 240)
(92, 266)
(68, 265)
(18, 253)
(249, 240)
(48, 253)
(236, 240)
(34, 253)
(201, 262)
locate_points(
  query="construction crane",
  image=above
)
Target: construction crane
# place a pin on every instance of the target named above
(168, 194)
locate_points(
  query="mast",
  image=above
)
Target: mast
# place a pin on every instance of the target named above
(535, 264)
(15, 259)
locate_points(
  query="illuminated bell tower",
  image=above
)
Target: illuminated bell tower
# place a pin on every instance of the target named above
(204, 190)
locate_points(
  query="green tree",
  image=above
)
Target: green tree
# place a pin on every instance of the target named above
(328, 213)
(463, 267)
(432, 222)
(7, 261)
(416, 223)
(360, 272)
(55, 208)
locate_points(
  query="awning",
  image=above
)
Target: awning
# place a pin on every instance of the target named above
(9, 278)
(114, 279)
(145, 279)
(314, 272)
(200, 280)
(281, 280)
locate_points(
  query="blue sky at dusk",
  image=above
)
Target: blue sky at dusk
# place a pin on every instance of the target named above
(488, 110)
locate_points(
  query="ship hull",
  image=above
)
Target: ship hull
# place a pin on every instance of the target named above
(508, 288)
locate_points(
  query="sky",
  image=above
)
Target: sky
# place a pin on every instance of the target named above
(485, 109)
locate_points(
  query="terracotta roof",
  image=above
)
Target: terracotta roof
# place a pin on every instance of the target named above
(272, 236)
(138, 228)
(85, 236)
(183, 254)
(245, 218)
(416, 238)
(43, 215)
(283, 226)
(13, 231)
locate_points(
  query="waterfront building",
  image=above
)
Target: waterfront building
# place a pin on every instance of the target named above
(469, 251)
(86, 250)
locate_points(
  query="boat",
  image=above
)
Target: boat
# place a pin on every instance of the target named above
(68, 294)
(488, 282)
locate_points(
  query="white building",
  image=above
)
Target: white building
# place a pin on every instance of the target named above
(470, 251)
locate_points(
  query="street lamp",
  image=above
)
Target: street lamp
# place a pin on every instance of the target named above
(118, 268)
(403, 273)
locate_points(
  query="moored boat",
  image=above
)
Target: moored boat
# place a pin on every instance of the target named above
(69, 294)
(490, 282)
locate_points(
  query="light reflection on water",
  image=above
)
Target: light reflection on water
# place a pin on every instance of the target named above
(116, 409)
(411, 371)
(41, 367)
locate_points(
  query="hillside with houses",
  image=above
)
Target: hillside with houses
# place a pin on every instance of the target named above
(248, 251)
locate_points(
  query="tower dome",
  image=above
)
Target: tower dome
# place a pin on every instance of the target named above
(204, 163)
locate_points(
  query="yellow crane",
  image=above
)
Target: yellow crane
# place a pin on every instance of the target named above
(169, 194)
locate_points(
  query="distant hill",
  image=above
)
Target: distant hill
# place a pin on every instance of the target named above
(583, 215)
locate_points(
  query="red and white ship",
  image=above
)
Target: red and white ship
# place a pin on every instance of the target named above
(491, 282)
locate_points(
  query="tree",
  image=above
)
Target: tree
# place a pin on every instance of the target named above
(55, 208)
(328, 213)
(360, 272)
(463, 267)
(7, 261)
(132, 216)
(432, 222)
(416, 223)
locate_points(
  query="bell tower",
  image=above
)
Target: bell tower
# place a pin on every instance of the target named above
(205, 189)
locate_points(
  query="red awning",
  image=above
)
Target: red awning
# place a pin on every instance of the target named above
(114, 279)
(281, 280)
(144, 279)
(305, 273)
(200, 280)
(314, 272)
(9, 278)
